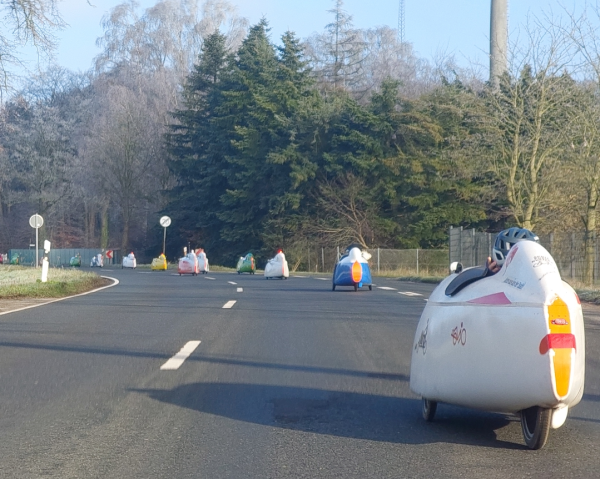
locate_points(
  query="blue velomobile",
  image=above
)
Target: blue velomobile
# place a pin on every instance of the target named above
(353, 269)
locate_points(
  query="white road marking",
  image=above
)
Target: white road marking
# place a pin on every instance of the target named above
(240, 290)
(231, 282)
(300, 276)
(409, 293)
(387, 288)
(324, 279)
(208, 277)
(229, 304)
(181, 356)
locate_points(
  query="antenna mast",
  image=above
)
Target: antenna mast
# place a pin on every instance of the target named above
(401, 22)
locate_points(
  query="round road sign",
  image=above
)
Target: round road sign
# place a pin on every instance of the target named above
(36, 221)
(165, 221)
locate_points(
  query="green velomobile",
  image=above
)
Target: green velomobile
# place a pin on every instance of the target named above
(246, 264)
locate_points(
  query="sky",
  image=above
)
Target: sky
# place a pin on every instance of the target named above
(434, 27)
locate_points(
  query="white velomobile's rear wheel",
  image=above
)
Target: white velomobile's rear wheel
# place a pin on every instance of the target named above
(535, 423)
(429, 408)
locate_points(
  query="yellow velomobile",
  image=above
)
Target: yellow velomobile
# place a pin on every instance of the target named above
(160, 263)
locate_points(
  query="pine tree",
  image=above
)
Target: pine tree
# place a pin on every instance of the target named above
(196, 144)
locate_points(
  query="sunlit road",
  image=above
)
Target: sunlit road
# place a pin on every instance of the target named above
(154, 378)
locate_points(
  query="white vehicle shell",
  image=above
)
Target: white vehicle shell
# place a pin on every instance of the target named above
(277, 267)
(202, 262)
(129, 261)
(505, 343)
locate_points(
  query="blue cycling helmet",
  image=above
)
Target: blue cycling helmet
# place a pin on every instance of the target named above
(507, 238)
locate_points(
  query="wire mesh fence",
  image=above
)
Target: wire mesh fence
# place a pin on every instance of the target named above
(383, 261)
(471, 248)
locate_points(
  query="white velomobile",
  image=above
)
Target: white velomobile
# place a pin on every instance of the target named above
(277, 267)
(202, 261)
(512, 342)
(129, 261)
(188, 264)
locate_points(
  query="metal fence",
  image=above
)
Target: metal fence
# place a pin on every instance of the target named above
(383, 261)
(471, 248)
(61, 257)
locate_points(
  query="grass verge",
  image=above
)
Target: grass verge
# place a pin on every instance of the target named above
(24, 282)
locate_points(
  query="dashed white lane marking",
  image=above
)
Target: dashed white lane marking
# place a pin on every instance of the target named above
(409, 293)
(208, 277)
(181, 356)
(229, 304)
(387, 288)
(240, 290)
(231, 282)
(324, 279)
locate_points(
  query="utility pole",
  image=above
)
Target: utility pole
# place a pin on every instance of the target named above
(498, 40)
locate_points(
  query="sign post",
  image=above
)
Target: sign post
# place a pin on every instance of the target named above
(36, 221)
(165, 222)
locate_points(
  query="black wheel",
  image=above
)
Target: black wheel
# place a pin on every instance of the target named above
(333, 287)
(370, 288)
(428, 409)
(355, 287)
(535, 423)
(239, 272)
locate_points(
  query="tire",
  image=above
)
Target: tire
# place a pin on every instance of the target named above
(370, 288)
(535, 423)
(333, 287)
(355, 287)
(428, 409)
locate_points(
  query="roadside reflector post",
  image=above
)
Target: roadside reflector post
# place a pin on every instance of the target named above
(45, 261)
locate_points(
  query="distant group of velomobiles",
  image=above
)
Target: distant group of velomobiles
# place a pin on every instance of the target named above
(507, 337)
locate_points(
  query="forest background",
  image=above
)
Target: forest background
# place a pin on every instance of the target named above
(251, 143)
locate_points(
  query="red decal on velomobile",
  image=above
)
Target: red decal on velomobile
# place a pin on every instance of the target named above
(496, 298)
(557, 341)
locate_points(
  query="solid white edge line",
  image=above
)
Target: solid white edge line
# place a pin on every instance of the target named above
(181, 356)
(229, 304)
(116, 281)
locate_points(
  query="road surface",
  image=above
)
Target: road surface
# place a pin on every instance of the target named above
(233, 376)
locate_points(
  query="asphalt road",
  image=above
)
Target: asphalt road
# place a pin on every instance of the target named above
(293, 380)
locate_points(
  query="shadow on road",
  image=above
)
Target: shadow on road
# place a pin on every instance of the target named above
(344, 414)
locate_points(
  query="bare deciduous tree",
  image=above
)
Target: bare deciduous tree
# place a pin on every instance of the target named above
(26, 22)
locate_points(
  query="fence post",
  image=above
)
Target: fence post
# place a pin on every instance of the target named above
(322, 259)
(595, 256)
(417, 261)
(308, 259)
(572, 255)
(377, 260)
(338, 254)
(460, 258)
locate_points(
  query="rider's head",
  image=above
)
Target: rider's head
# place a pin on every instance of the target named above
(507, 238)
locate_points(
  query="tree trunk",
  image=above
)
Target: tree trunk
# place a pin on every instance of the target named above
(104, 227)
(590, 237)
